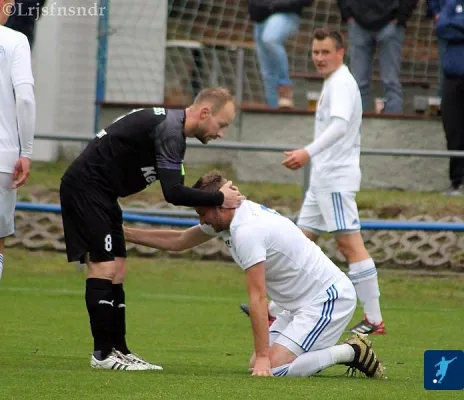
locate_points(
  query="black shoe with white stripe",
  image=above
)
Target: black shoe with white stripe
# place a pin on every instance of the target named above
(368, 328)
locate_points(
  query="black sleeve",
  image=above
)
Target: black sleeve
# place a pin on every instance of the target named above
(176, 193)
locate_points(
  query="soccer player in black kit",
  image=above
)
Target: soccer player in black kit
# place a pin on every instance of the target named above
(134, 151)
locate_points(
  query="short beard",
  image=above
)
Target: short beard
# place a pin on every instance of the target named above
(201, 138)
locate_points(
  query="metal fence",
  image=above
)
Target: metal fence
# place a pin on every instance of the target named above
(255, 147)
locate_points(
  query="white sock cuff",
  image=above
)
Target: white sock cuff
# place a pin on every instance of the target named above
(280, 371)
(362, 271)
(273, 309)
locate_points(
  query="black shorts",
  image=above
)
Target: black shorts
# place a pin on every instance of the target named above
(92, 223)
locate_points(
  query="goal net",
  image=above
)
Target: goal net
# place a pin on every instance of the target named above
(167, 50)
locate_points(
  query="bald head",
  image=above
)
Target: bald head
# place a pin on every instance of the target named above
(211, 113)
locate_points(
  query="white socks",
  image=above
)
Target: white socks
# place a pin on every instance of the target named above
(274, 309)
(315, 361)
(1, 265)
(363, 274)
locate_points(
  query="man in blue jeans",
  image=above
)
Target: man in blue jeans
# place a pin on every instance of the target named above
(275, 21)
(372, 24)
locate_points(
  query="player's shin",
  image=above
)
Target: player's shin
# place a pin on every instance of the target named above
(119, 319)
(313, 362)
(99, 301)
(363, 274)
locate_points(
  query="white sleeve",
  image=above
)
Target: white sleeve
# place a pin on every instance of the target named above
(23, 81)
(341, 100)
(21, 68)
(250, 246)
(208, 230)
(25, 112)
(335, 131)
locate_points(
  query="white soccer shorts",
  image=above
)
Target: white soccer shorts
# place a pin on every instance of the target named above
(329, 212)
(7, 205)
(318, 325)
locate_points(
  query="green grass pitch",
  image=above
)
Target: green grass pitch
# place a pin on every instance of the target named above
(184, 315)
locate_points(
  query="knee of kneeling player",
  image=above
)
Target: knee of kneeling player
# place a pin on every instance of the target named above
(281, 357)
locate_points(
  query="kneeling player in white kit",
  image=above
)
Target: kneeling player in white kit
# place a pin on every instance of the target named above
(318, 298)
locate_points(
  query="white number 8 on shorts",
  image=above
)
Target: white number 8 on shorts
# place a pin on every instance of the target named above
(108, 243)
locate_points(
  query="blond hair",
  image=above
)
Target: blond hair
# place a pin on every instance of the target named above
(216, 97)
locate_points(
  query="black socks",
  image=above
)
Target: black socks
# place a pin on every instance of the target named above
(100, 306)
(119, 319)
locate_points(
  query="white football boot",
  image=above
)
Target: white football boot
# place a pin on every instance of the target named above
(137, 360)
(114, 361)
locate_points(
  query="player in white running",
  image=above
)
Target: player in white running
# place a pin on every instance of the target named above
(280, 262)
(330, 202)
(17, 120)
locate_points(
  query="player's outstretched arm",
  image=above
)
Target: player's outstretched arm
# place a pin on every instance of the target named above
(167, 239)
(259, 318)
(177, 194)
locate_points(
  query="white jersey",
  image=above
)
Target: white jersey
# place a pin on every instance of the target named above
(15, 69)
(296, 269)
(337, 169)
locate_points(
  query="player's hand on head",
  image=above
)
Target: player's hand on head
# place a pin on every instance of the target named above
(21, 172)
(262, 367)
(232, 196)
(295, 159)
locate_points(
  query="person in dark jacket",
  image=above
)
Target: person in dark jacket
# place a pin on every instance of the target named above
(433, 11)
(274, 22)
(24, 16)
(377, 24)
(450, 29)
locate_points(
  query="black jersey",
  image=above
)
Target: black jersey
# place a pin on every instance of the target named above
(136, 150)
(126, 155)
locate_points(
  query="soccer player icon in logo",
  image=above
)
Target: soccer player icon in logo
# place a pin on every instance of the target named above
(442, 368)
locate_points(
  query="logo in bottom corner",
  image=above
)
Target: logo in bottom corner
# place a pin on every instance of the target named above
(443, 370)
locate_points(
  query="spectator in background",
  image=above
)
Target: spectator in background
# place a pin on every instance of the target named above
(381, 24)
(433, 11)
(450, 29)
(274, 22)
(23, 17)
